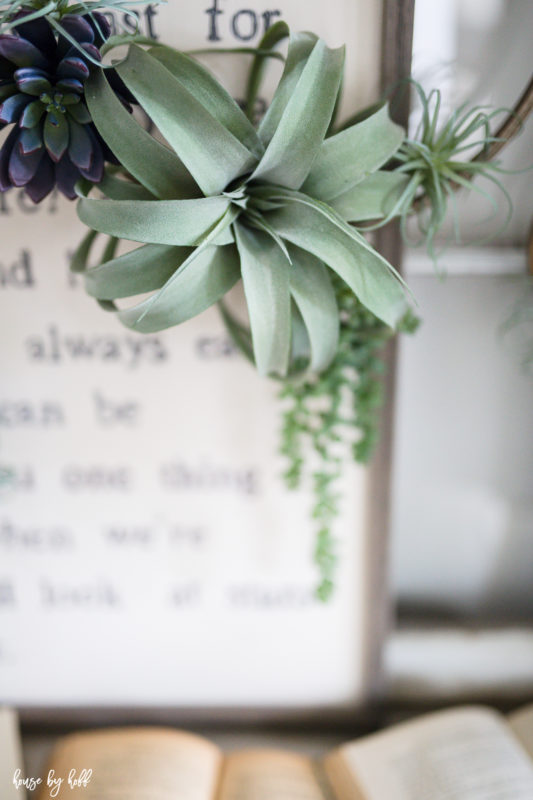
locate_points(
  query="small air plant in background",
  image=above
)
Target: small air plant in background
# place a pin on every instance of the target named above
(436, 162)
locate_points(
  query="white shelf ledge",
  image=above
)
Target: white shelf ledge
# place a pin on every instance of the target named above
(451, 663)
(468, 261)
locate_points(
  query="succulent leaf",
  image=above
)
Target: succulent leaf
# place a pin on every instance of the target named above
(56, 135)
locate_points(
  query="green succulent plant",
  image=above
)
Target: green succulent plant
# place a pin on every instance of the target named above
(222, 201)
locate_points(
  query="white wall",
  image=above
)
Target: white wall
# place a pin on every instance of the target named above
(463, 501)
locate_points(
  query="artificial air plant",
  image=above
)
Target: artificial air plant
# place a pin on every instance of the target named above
(280, 205)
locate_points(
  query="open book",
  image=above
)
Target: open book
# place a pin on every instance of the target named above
(470, 753)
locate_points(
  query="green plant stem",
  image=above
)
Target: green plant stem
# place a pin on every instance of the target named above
(334, 417)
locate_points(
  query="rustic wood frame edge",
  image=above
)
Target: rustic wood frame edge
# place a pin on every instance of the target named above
(396, 55)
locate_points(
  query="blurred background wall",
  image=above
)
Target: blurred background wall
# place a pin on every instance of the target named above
(463, 500)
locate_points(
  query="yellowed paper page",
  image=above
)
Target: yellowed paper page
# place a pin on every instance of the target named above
(521, 724)
(133, 765)
(10, 755)
(269, 774)
(465, 754)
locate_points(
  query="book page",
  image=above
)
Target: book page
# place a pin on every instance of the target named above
(465, 754)
(10, 754)
(521, 724)
(268, 774)
(133, 765)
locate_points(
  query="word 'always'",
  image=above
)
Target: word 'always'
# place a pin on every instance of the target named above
(54, 347)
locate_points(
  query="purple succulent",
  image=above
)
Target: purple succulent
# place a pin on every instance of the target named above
(42, 83)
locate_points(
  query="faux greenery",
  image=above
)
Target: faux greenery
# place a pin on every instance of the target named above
(282, 204)
(270, 206)
(43, 72)
(435, 159)
(334, 415)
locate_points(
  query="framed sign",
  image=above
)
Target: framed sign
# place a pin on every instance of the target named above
(150, 555)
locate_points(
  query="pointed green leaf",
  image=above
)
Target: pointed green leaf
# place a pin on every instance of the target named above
(274, 35)
(181, 222)
(78, 262)
(348, 157)
(367, 273)
(313, 293)
(300, 48)
(142, 270)
(239, 333)
(304, 123)
(373, 198)
(209, 92)
(153, 164)
(115, 188)
(195, 287)
(265, 276)
(300, 343)
(210, 152)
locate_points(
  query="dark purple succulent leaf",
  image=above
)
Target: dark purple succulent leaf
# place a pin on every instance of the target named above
(32, 114)
(92, 51)
(6, 69)
(30, 140)
(78, 28)
(12, 108)
(5, 155)
(73, 67)
(67, 175)
(21, 52)
(56, 135)
(95, 172)
(32, 81)
(39, 33)
(7, 89)
(80, 113)
(30, 72)
(43, 181)
(69, 85)
(101, 27)
(22, 167)
(80, 149)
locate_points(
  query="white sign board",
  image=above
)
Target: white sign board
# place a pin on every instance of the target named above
(149, 552)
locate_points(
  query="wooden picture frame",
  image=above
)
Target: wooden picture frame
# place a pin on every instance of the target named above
(395, 64)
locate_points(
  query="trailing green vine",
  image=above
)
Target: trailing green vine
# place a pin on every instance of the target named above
(336, 413)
